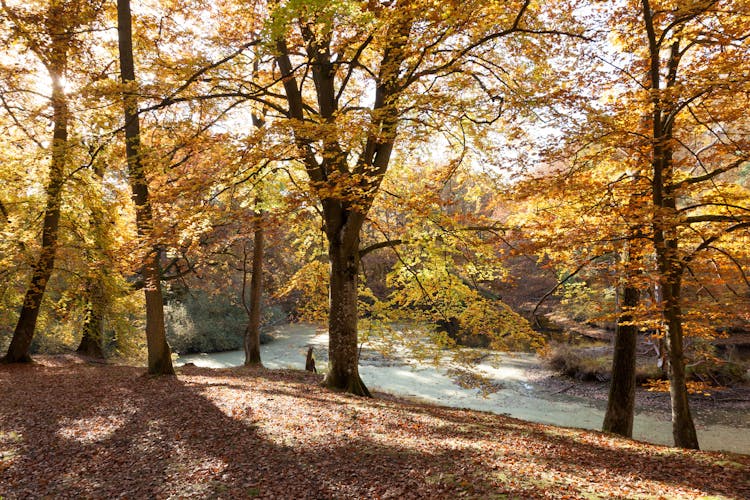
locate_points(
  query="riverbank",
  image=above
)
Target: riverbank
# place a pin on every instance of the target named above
(517, 385)
(69, 429)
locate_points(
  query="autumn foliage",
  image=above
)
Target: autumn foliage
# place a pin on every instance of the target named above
(358, 163)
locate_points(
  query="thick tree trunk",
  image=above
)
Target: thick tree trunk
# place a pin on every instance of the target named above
(621, 402)
(93, 325)
(345, 212)
(252, 333)
(18, 351)
(683, 428)
(159, 355)
(343, 358)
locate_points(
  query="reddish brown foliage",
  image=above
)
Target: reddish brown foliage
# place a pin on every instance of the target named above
(71, 430)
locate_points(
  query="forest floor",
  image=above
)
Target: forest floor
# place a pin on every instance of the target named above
(70, 429)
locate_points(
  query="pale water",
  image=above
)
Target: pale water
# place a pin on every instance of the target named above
(518, 397)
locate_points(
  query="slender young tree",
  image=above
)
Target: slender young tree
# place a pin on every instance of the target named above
(159, 355)
(252, 333)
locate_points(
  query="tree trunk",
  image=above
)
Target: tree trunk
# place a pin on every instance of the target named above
(159, 355)
(665, 218)
(3, 213)
(93, 325)
(683, 429)
(92, 339)
(621, 401)
(343, 358)
(18, 351)
(310, 361)
(252, 333)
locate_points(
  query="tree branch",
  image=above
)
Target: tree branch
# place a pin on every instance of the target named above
(379, 245)
(708, 176)
(708, 242)
(714, 218)
(562, 282)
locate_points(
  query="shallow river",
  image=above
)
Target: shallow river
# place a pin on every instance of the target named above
(516, 374)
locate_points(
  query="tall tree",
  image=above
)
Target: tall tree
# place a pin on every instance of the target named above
(49, 36)
(329, 57)
(94, 293)
(684, 62)
(666, 114)
(159, 355)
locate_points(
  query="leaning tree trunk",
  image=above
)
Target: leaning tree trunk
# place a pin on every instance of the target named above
(343, 357)
(621, 401)
(252, 333)
(18, 351)
(159, 355)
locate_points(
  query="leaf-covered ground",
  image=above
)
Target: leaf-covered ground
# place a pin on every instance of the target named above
(75, 430)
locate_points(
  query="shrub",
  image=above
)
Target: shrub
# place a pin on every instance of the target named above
(717, 372)
(594, 363)
(580, 363)
(200, 322)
